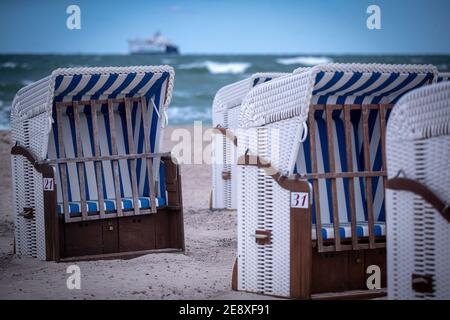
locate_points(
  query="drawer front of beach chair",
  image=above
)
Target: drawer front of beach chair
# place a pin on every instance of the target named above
(341, 145)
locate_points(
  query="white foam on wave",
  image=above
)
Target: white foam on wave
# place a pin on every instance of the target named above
(26, 82)
(308, 61)
(8, 65)
(218, 67)
(188, 114)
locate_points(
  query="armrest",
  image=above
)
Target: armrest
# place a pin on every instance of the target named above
(404, 184)
(40, 167)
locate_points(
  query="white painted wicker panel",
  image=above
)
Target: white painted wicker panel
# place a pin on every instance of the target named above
(418, 142)
(218, 141)
(30, 126)
(262, 205)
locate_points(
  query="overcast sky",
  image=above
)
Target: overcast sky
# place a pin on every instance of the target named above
(228, 26)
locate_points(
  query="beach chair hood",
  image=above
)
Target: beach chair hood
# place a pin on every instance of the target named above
(35, 101)
(284, 103)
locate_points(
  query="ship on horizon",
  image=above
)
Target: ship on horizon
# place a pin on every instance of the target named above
(157, 44)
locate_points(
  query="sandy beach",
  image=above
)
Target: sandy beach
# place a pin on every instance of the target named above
(203, 272)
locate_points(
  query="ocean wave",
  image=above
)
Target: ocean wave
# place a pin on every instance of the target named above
(218, 67)
(308, 61)
(26, 82)
(8, 65)
(187, 114)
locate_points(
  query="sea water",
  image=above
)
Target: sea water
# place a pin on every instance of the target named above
(198, 77)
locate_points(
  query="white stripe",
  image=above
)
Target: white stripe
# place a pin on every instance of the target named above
(120, 79)
(149, 84)
(70, 153)
(107, 168)
(395, 94)
(100, 82)
(123, 164)
(345, 78)
(80, 86)
(325, 79)
(133, 83)
(64, 84)
(87, 151)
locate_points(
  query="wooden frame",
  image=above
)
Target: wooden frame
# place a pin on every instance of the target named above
(357, 243)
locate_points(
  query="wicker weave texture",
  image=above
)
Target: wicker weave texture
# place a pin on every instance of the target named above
(418, 146)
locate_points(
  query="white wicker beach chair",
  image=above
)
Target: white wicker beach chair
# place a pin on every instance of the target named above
(443, 76)
(88, 175)
(418, 195)
(321, 128)
(225, 118)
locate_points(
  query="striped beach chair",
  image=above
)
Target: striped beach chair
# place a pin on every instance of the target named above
(418, 195)
(443, 76)
(311, 214)
(92, 135)
(225, 119)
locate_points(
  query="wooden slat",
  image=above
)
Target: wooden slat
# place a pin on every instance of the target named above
(332, 166)
(131, 149)
(63, 167)
(351, 106)
(115, 163)
(80, 165)
(336, 175)
(351, 180)
(108, 158)
(367, 167)
(383, 141)
(148, 150)
(98, 164)
(313, 155)
(98, 101)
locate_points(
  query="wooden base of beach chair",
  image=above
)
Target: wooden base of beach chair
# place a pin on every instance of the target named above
(337, 275)
(121, 237)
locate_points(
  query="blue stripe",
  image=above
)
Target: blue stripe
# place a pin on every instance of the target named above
(386, 83)
(319, 77)
(111, 79)
(72, 85)
(91, 83)
(355, 77)
(340, 131)
(373, 78)
(145, 79)
(411, 77)
(58, 82)
(130, 77)
(336, 77)
(326, 165)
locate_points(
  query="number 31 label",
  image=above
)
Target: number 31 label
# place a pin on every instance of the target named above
(48, 184)
(299, 200)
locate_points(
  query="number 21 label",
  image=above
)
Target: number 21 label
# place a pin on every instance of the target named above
(299, 200)
(48, 184)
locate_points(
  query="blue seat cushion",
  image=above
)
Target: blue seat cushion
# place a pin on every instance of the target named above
(110, 205)
(345, 230)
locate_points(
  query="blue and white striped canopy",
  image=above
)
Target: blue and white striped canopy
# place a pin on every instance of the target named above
(110, 85)
(153, 83)
(260, 79)
(365, 87)
(444, 76)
